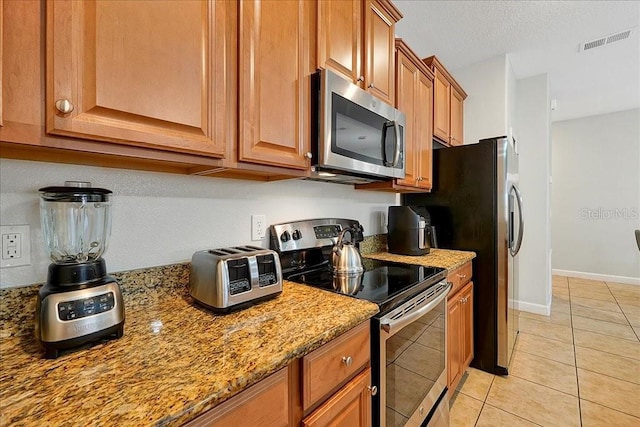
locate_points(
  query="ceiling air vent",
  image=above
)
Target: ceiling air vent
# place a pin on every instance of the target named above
(602, 41)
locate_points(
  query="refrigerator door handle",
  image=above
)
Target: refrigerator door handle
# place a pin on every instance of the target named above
(514, 249)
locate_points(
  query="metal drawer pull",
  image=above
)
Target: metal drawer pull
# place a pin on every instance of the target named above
(462, 276)
(347, 360)
(373, 389)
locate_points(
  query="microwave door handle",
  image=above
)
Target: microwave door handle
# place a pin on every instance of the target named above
(396, 157)
(383, 144)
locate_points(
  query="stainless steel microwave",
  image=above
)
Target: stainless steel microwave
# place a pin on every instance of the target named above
(356, 137)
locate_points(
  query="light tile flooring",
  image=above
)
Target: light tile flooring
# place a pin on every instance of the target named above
(580, 366)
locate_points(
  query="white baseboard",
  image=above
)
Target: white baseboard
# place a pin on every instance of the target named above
(545, 310)
(597, 276)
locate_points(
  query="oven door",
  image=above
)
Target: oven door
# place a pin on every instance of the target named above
(411, 361)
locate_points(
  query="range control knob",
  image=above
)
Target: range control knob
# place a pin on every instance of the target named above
(297, 235)
(285, 236)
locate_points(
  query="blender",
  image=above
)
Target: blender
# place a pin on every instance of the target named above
(79, 303)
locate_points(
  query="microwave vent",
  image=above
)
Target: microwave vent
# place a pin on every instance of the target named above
(605, 40)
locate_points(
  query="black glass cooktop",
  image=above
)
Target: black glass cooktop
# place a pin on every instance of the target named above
(385, 283)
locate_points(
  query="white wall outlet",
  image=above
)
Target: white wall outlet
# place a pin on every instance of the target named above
(16, 245)
(258, 227)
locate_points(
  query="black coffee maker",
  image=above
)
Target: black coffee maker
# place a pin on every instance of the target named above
(410, 231)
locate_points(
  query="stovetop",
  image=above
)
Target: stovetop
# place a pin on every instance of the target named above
(385, 283)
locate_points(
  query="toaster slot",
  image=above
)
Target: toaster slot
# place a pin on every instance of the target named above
(267, 273)
(239, 277)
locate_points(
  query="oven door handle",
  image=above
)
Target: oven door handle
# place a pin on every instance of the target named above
(391, 326)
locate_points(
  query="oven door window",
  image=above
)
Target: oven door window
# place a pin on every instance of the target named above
(415, 363)
(360, 134)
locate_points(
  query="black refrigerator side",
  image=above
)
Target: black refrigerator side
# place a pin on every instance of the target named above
(464, 209)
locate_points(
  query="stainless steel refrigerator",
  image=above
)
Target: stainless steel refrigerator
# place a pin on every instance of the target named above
(476, 205)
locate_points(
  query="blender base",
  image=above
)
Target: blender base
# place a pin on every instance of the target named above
(52, 349)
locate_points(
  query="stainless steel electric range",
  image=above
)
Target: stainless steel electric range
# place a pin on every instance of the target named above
(408, 336)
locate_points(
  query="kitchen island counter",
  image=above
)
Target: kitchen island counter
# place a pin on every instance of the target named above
(445, 258)
(175, 361)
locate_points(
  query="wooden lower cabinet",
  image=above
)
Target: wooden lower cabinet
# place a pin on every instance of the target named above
(264, 404)
(351, 406)
(331, 386)
(459, 325)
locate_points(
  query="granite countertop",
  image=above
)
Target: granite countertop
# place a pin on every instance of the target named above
(167, 377)
(445, 258)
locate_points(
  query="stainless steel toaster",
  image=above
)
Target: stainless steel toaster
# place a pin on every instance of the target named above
(228, 279)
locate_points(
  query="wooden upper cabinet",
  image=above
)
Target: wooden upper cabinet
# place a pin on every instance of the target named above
(457, 117)
(339, 37)
(406, 95)
(424, 130)
(150, 74)
(274, 89)
(355, 38)
(441, 107)
(379, 36)
(448, 117)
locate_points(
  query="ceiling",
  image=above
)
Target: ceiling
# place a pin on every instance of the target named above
(539, 37)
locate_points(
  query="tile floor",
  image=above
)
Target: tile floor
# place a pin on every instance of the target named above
(580, 366)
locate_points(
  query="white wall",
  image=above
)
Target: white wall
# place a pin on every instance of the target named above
(596, 196)
(534, 146)
(485, 109)
(163, 218)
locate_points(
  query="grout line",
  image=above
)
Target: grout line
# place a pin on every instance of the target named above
(575, 358)
(515, 415)
(624, 314)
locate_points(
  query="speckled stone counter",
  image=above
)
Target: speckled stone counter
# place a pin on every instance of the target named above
(165, 378)
(445, 258)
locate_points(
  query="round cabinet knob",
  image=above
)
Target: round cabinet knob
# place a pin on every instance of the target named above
(347, 360)
(64, 106)
(297, 235)
(308, 155)
(371, 86)
(422, 410)
(361, 78)
(373, 389)
(285, 237)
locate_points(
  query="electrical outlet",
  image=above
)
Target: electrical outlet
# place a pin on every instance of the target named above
(16, 245)
(258, 227)
(383, 221)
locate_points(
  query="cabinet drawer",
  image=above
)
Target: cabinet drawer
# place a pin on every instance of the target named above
(460, 277)
(328, 367)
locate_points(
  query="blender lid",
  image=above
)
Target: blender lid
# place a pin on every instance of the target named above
(75, 191)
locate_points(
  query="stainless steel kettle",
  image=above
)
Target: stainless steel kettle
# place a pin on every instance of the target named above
(345, 258)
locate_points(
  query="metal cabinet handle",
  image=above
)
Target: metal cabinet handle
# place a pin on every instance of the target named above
(308, 155)
(64, 106)
(371, 86)
(462, 276)
(373, 389)
(361, 78)
(347, 360)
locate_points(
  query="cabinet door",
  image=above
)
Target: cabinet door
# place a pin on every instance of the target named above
(424, 130)
(467, 325)
(406, 102)
(454, 350)
(140, 73)
(457, 118)
(340, 37)
(441, 107)
(264, 404)
(349, 407)
(273, 94)
(379, 33)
